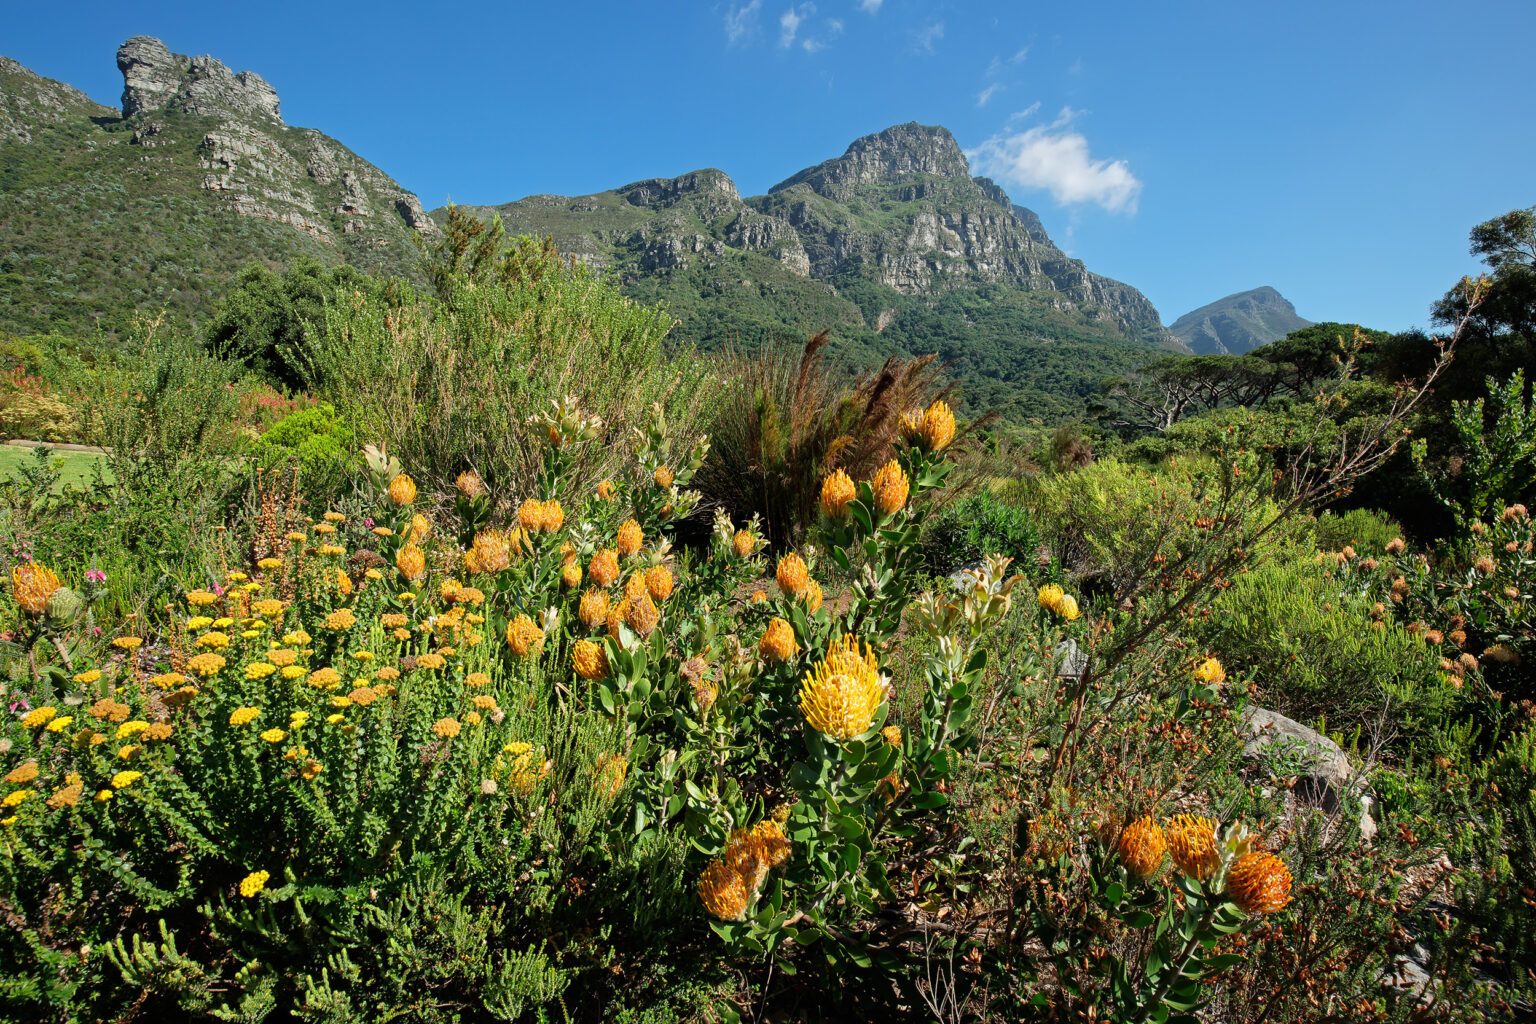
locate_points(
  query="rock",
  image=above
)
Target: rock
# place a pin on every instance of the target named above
(1325, 774)
(154, 78)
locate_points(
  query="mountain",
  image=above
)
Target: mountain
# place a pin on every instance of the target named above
(106, 212)
(1239, 323)
(894, 246)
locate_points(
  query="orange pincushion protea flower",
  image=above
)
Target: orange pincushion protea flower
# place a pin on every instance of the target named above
(33, 585)
(643, 615)
(604, 568)
(792, 574)
(812, 596)
(523, 636)
(891, 488)
(724, 892)
(531, 514)
(778, 643)
(635, 586)
(611, 770)
(593, 610)
(402, 490)
(1142, 846)
(570, 575)
(836, 492)
(743, 543)
(412, 562)
(491, 551)
(663, 477)
(1192, 845)
(630, 538)
(658, 580)
(1259, 883)
(840, 696)
(590, 659)
(605, 490)
(470, 484)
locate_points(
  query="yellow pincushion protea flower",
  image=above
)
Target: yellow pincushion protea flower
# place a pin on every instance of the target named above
(491, 551)
(743, 543)
(570, 575)
(253, 883)
(604, 567)
(792, 574)
(421, 529)
(1142, 846)
(778, 643)
(402, 490)
(663, 477)
(523, 636)
(659, 582)
(1192, 845)
(471, 485)
(1210, 671)
(33, 585)
(634, 586)
(593, 610)
(1259, 883)
(412, 562)
(553, 517)
(1050, 597)
(891, 488)
(1067, 607)
(837, 490)
(630, 538)
(530, 514)
(590, 659)
(937, 427)
(724, 892)
(840, 696)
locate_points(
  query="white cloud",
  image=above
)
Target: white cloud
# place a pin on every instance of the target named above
(814, 44)
(741, 20)
(870, 6)
(1055, 157)
(790, 21)
(1019, 57)
(983, 97)
(925, 37)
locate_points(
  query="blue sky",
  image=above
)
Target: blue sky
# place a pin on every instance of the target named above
(1337, 151)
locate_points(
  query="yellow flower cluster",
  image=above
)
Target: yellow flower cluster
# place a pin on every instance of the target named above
(933, 428)
(253, 883)
(523, 636)
(540, 516)
(837, 490)
(891, 488)
(1053, 599)
(33, 585)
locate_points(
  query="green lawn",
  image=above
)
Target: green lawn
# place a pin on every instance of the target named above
(75, 467)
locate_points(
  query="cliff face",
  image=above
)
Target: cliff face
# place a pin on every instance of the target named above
(898, 208)
(155, 206)
(1239, 323)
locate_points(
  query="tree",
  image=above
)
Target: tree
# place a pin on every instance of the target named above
(1163, 392)
(1314, 354)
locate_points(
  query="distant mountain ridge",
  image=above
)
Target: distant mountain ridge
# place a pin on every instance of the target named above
(1239, 323)
(106, 212)
(893, 245)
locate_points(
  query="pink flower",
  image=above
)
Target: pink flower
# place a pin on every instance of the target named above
(368, 523)
(95, 576)
(218, 590)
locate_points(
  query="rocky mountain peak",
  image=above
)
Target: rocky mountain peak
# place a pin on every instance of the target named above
(1239, 322)
(154, 78)
(885, 158)
(708, 184)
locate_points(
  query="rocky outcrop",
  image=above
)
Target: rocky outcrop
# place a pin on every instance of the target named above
(154, 79)
(904, 151)
(1324, 777)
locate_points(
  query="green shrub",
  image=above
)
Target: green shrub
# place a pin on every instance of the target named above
(1366, 530)
(986, 523)
(449, 384)
(1320, 652)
